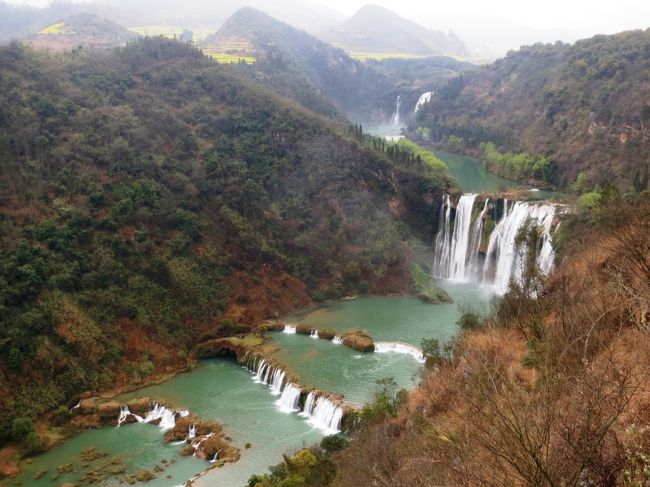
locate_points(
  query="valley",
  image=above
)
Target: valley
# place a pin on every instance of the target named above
(270, 245)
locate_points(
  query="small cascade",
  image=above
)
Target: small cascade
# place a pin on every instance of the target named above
(191, 432)
(395, 118)
(399, 347)
(289, 329)
(314, 334)
(325, 415)
(260, 368)
(276, 381)
(216, 456)
(459, 241)
(290, 399)
(337, 340)
(424, 98)
(124, 413)
(75, 407)
(309, 404)
(166, 416)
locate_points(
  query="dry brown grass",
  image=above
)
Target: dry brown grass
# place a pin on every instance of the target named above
(578, 411)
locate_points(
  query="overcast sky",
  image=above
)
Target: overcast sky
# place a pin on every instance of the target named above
(584, 16)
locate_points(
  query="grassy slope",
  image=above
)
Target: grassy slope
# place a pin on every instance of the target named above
(148, 194)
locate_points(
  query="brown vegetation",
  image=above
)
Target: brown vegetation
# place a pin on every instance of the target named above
(552, 391)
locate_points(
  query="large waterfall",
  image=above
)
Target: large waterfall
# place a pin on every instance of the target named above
(459, 241)
(395, 117)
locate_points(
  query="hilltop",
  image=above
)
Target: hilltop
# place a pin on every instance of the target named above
(374, 29)
(81, 30)
(584, 107)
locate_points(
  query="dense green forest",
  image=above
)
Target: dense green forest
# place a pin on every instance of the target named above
(149, 195)
(584, 108)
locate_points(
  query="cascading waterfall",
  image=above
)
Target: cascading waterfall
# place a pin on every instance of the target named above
(424, 98)
(505, 259)
(124, 413)
(191, 432)
(399, 347)
(477, 238)
(314, 334)
(276, 381)
(458, 243)
(216, 456)
(290, 398)
(321, 412)
(289, 329)
(395, 117)
(325, 415)
(166, 416)
(337, 340)
(454, 251)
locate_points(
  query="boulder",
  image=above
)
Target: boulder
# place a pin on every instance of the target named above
(140, 406)
(303, 329)
(326, 334)
(359, 340)
(109, 410)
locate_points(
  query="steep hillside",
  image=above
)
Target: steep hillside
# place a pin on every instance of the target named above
(82, 30)
(351, 85)
(545, 392)
(148, 196)
(584, 106)
(374, 29)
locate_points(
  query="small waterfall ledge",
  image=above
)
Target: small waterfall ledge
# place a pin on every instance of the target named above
(465, 251)
(324, 412)
(400, 347)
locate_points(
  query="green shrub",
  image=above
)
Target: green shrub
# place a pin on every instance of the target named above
(21, 428)
(334, 443)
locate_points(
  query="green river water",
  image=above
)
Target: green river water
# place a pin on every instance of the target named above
(223, 391)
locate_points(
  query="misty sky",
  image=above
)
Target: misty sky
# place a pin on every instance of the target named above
(580, 16)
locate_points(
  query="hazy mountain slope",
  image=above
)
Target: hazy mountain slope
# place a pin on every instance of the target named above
(586, 106)
(374, 29)
(81, 30)
(352, 86)
(147, 194)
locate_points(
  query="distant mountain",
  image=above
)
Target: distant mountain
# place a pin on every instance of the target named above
(374, 29)
(85, 30)
(584, 106)
(304, 68)
(352, 86)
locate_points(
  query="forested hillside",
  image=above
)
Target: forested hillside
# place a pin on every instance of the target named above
(553, 112)
(148, 196)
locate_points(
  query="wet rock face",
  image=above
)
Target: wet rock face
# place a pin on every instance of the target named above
(359, 340)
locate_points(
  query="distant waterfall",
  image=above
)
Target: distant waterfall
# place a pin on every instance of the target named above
(289, 329)
(276, 381)
(395, 117)
(458, 243)
(337, 340)
(399, 347)
(314, 334)
(424, 98)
